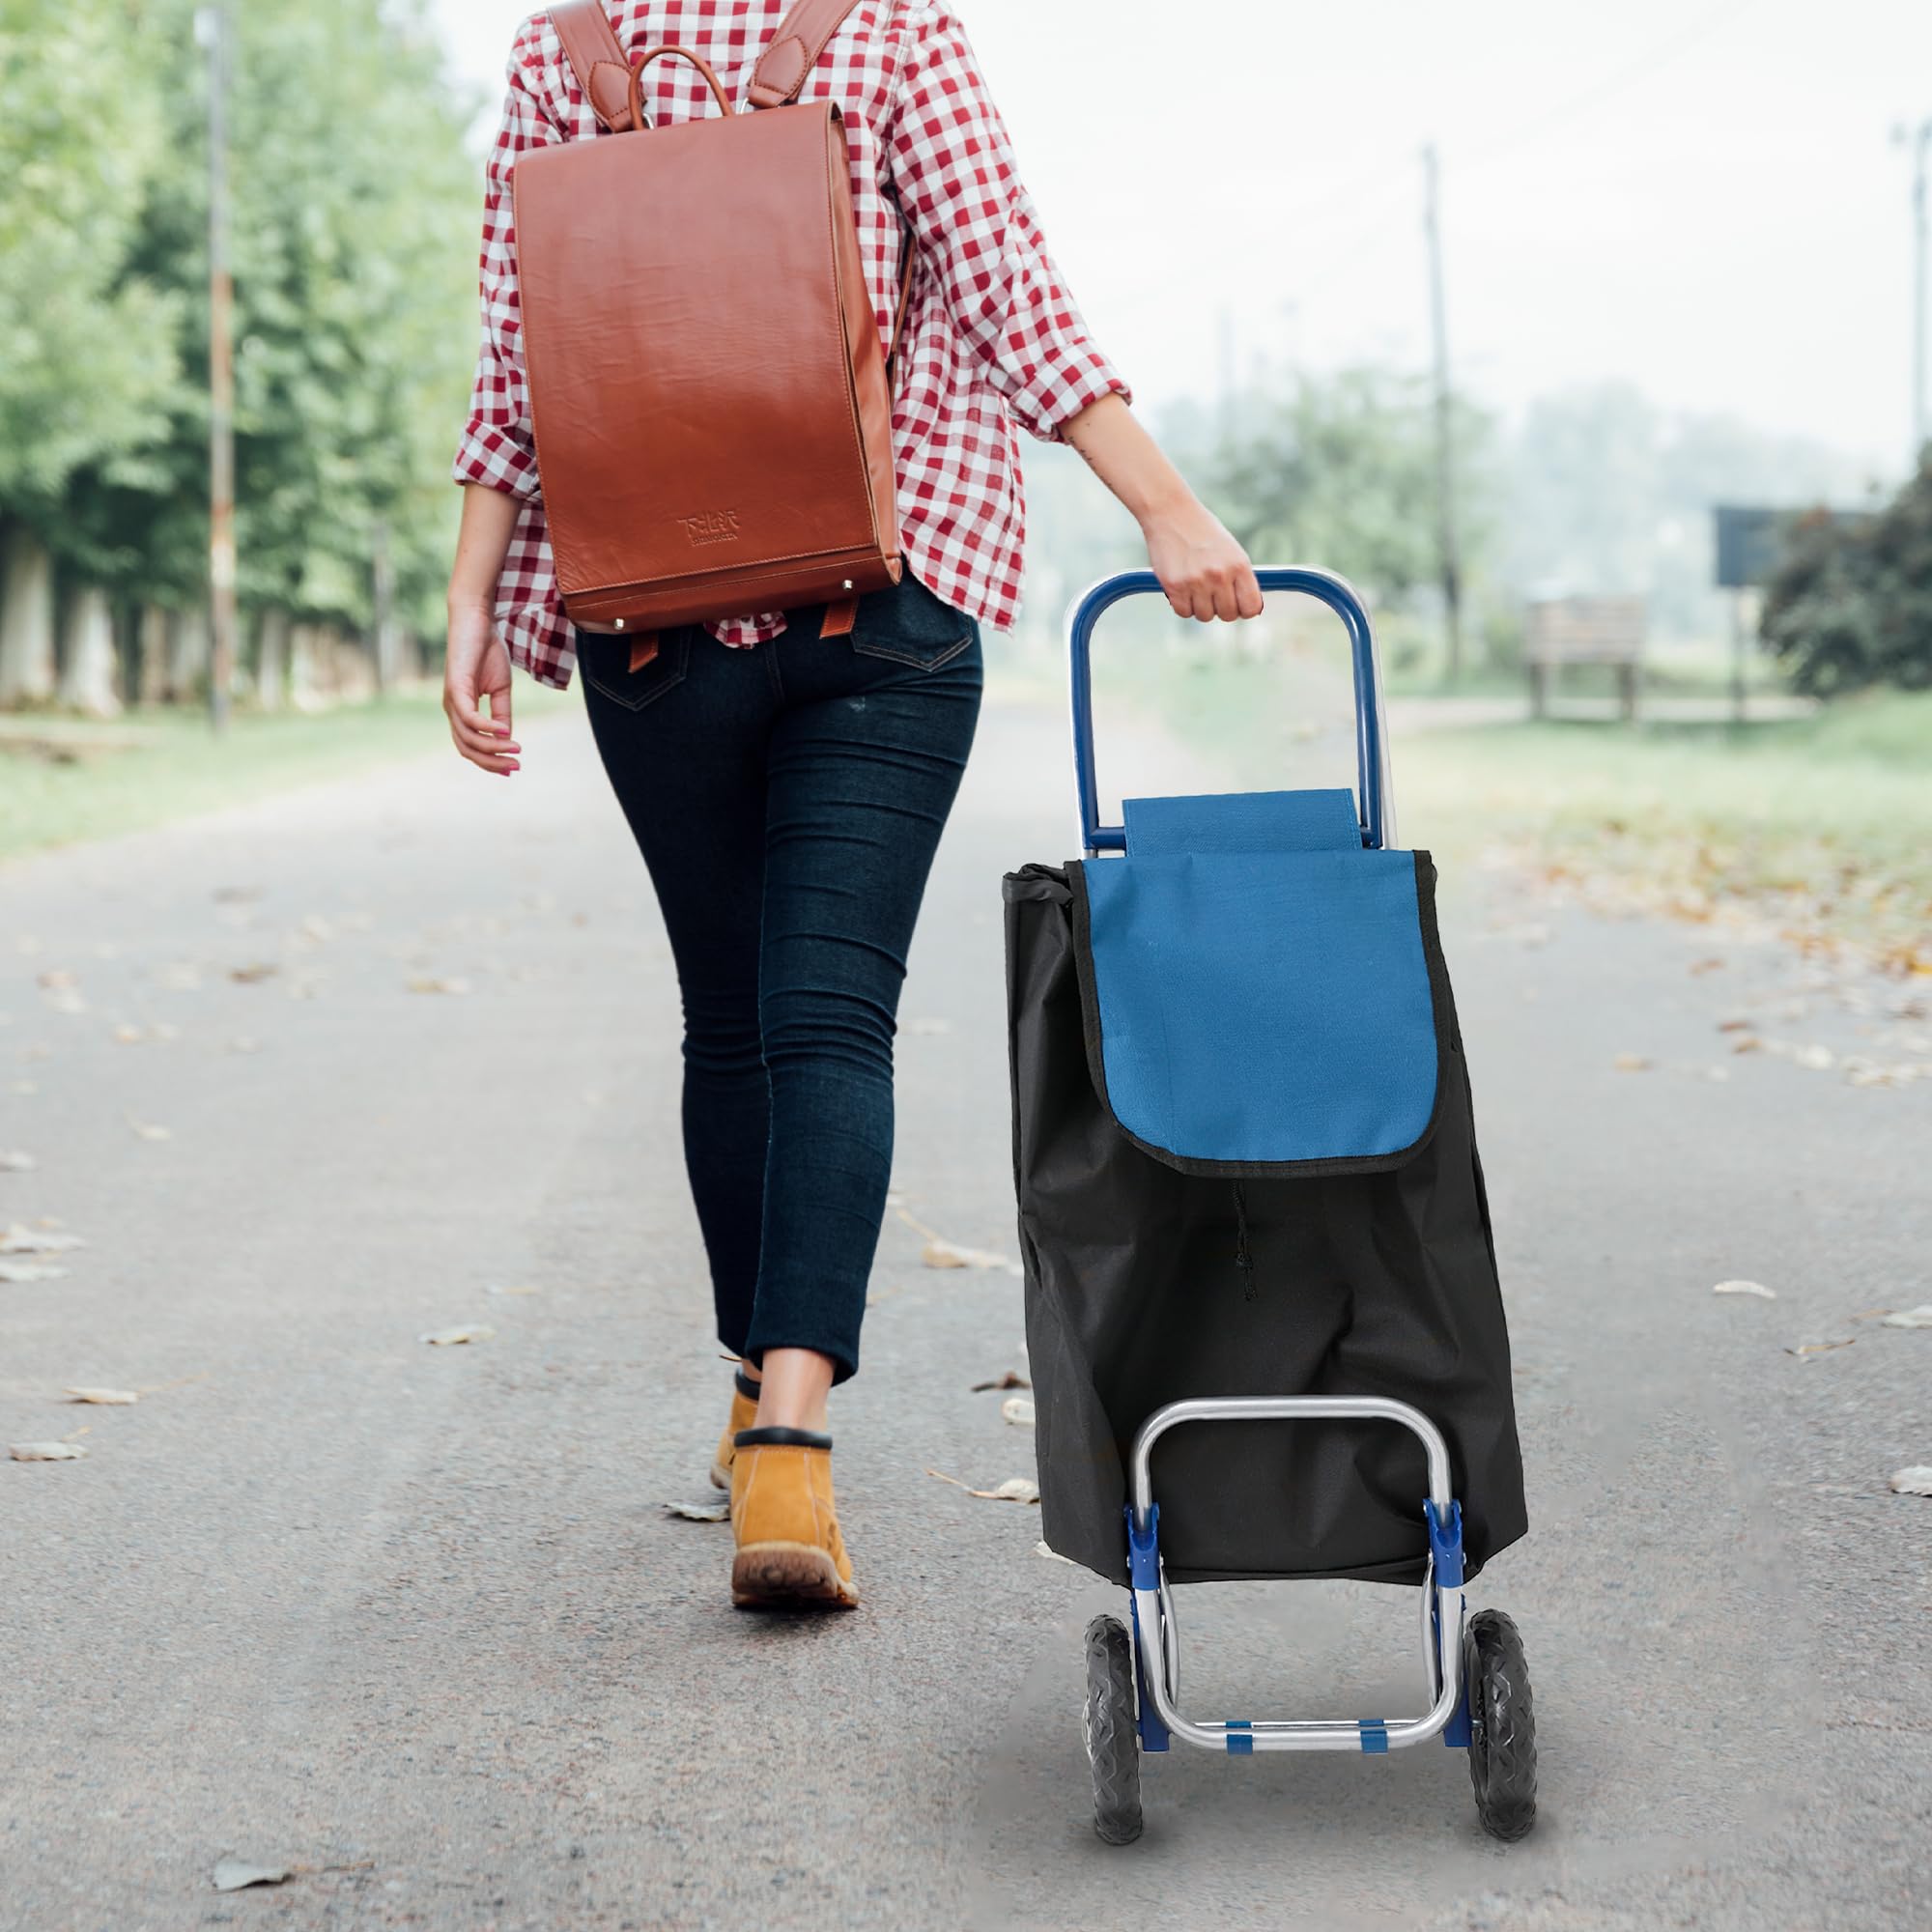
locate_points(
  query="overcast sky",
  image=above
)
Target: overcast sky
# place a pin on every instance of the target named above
(1701, 198)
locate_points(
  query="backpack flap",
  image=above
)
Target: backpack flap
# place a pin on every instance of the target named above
(1265, 1012)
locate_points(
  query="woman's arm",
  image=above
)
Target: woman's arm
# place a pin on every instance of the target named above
(954, 174)
(475, 663)
(495, 460)
(1204, 571)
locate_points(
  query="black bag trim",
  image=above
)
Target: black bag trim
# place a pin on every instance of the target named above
(1448, 1046)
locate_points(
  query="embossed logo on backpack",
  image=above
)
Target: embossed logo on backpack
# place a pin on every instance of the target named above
(711, 527)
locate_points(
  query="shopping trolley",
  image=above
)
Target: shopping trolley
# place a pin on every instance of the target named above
(1262, 1315)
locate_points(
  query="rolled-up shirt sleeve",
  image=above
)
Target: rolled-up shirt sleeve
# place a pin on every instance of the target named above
(955, 180)
(496, 448)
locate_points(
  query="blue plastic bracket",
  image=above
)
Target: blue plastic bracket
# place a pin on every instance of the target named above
(1153, 1733)
(1144, 1551)
(1445, 1547)
(1143, 1574)
(1374, 1734)
(1240, 1737)
(1317, 583)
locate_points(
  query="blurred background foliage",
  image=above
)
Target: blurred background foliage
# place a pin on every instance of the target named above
(354, 215)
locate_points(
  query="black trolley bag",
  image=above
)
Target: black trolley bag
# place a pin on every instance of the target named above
(1263, 1317)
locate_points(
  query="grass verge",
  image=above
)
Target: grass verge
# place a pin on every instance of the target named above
(63, 779)
(1819, 827)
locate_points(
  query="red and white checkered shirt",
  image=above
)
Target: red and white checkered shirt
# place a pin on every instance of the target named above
(991, 339)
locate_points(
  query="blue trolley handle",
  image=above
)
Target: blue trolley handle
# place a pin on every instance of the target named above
(1373, 788)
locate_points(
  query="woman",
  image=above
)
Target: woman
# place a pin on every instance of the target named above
(787, 792)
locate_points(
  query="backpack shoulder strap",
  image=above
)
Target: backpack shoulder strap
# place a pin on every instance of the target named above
(795, 49)
(597, 59)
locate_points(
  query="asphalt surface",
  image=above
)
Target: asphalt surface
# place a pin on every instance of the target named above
(412, 1620)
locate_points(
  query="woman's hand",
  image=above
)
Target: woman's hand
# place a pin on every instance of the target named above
(1204, 571)
(476, 665)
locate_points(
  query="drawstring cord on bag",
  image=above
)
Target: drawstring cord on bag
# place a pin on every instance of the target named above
(1243, 1260)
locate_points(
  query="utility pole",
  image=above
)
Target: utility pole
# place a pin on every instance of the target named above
(1445, 427)
(1920, 140)
(212, 30)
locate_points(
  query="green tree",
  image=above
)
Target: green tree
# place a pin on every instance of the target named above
(88, 371)
(1341, 470)
(354, 214)
(1851, 605)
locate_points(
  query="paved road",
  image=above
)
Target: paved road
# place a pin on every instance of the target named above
(411, 1619)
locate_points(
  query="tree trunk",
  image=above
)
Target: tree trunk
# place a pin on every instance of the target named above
(87, 656)
(302, 691)
(383, 637)
(189, 653)
(26, 620)
(272, 660)
(151, 651)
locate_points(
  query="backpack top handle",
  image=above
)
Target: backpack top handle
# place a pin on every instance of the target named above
(604, 75)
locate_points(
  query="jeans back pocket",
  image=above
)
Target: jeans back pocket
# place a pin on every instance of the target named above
(606, 662)
(908, 624)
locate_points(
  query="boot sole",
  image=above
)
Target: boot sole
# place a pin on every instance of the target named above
(766, 1575)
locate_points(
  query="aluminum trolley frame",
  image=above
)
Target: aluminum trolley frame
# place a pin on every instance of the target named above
(1155, 1630)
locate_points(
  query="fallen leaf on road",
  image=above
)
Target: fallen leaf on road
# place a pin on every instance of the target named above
(940, 1254)
(101, 1398)
(250, 976)
(1052, 1555)
(21, 1240)
(430, 983)
(1748, 1043)
(1012, 1379)
(56, 980)
(713, 1509)
(1913, 1482)
(1821, 1348)
(453, 1338)
(1632, 1062)
(1734, 1026)
(46, 1452)
(1910, 1317)
(1702, 966)
(1819, 1059)
(15, 1162)
(1015, 1489)
(1018, 1410)
(237, 1874)
(520, 1288)
(128, 1035)
(26, 1272)
(1756, 1287)
(148, 1130)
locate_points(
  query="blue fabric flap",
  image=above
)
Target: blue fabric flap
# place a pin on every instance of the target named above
(1264, 1007)
(1244, 821)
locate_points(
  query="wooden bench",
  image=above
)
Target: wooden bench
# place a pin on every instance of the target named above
(1562, 631)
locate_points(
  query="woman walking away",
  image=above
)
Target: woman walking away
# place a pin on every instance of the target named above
(788, 790)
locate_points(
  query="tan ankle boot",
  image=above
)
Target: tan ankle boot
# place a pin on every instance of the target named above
(785, 1523)
(743, 1413)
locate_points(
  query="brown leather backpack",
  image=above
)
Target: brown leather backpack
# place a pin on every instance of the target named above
(710, 397)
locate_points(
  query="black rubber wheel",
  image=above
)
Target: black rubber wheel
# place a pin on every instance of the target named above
(1502, 1726)
(1113, 1743)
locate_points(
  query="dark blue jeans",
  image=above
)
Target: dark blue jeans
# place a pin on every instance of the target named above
(788, 799)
